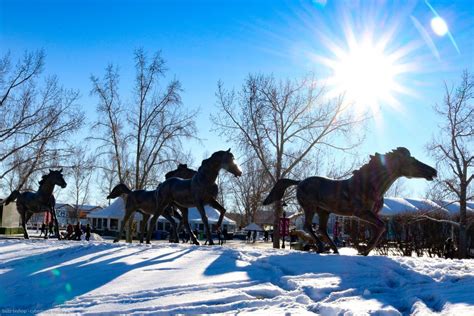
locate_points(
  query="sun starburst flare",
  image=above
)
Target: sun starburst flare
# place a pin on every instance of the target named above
(366, 72)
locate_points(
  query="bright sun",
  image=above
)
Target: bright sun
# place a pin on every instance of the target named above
(365, 73)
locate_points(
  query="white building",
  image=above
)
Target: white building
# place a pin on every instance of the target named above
(392, 206)
(110, 218)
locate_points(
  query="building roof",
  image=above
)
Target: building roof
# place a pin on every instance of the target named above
(253, 226)
(116, 210)
(83, 207)
(394, 206)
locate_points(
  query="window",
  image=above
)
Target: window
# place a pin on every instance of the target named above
(99, 223)
(104, 222)
(113, 224)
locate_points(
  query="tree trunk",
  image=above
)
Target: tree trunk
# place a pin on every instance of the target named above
(276, 224)
(128, 230)
(462, 242)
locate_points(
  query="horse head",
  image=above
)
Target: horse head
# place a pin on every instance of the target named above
(56, 177)
(410, 167)
(228, 163)
(182, 172)
(118, 190)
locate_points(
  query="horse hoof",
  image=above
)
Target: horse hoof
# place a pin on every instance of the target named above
(148, 242)
(116, 240)
(197, 243)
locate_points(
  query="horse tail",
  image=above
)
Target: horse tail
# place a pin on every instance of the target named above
(279, 189)
(12, 197)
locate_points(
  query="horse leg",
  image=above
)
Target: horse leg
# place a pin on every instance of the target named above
(151, 229)
(202, 211)
(323, 229)
(56, 224)
(184, 212)
(23, 222)
(143, 226)
(27, 218)
(379, 226)
(180, 226)
(308, 227)
(213, 203)
(174, 227)
(128, 213)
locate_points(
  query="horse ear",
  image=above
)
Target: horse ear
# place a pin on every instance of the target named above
(228, 150)
(61, 170)
(50, 171)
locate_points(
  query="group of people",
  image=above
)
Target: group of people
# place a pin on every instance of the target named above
(72, 232)
(222, 235)
(75, 232)
(47, 230)
(252, 236)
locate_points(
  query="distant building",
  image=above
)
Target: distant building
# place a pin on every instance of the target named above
(392, 206)
(66, 214)
(265, 219)
(110, 219)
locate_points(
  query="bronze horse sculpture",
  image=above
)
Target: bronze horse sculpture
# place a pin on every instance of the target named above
(360, 196)
(28, 203)
(182, 172)
(145, 202)
(197, 192)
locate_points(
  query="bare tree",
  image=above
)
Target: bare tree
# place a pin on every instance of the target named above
(35, 119)
(144, 138)
(110, 121)
(281, 123)
(147, 135)
(452, 149)
(248, 190)
(398, 189)
(81, 171)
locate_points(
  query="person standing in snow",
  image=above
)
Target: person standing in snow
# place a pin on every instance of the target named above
(449, 249)
(254, 237)
(225, 234)
(43, 230)
(51, 229)
(220, 237)
(88, 232)
(249, 234)
(69, 232)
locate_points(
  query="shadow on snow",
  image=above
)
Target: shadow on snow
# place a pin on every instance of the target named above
(54, 277)
(389, 282)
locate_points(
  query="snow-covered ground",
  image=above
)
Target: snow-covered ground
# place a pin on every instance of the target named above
(53, 276)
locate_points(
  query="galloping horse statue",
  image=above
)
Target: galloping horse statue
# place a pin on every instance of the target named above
(182, 172)
(360, 196)
(28, 203)
(197, 192)
(145, 202)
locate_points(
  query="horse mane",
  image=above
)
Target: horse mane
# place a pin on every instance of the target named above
(209, 160)
(44, 178)
(379, 162)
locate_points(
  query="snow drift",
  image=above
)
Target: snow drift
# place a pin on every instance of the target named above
(98, 277)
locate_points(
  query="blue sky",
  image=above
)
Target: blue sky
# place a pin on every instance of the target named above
(207, 41)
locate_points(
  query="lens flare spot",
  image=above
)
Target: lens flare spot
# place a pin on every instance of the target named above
(439, 26)
(68, 287)
(55, 272)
